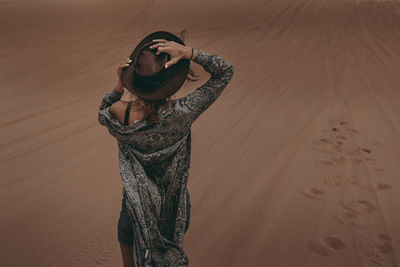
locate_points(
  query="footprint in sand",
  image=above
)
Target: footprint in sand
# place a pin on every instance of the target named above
(348, 218)
(342, 180)
(341, 137)
(360, 206)
(338, 147)
(368, 188)
(313, 193)
(384, 244)
(324, 140)
(326, 246)
(385, 247)
(334, 243)
(366, 150)
(382, 186)
(383, 236)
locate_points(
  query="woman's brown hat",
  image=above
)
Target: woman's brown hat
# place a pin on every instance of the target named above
(147, 76)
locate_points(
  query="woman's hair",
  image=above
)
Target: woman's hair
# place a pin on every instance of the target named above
(151, 107)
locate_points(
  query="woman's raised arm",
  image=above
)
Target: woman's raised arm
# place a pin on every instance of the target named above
(195, 103)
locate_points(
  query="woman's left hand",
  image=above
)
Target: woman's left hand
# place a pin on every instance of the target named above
(175, 50)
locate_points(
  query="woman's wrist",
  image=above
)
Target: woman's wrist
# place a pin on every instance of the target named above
(191, 53)
(194, 54)
(119, 87)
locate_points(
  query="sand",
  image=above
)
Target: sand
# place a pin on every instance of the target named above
(296, 164)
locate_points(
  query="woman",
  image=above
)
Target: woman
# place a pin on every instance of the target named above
(154, 140)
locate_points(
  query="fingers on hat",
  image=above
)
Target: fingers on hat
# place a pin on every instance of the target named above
(161, 49)
(158, 45)
(126, 61)
(171, 62)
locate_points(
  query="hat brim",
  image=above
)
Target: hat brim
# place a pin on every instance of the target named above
(171, 86)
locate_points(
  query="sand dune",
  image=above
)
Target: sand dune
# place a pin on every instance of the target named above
(297, 163)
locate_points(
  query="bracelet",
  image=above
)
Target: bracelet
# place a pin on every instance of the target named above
(191, 55)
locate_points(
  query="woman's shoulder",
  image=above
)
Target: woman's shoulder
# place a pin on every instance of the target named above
(118, 108)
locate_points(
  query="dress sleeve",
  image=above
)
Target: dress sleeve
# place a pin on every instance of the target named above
(107, 101)
(195, 103)
(105, 117)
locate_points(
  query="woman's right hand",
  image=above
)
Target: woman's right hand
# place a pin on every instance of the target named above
(124, 64)
(175, 50)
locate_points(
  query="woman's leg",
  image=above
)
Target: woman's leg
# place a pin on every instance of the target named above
(127, 255)
(188, 208)
(125, 235)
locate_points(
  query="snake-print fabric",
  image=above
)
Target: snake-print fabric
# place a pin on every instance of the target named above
(154, 161)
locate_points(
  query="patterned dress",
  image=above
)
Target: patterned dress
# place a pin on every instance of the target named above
(154, 161)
